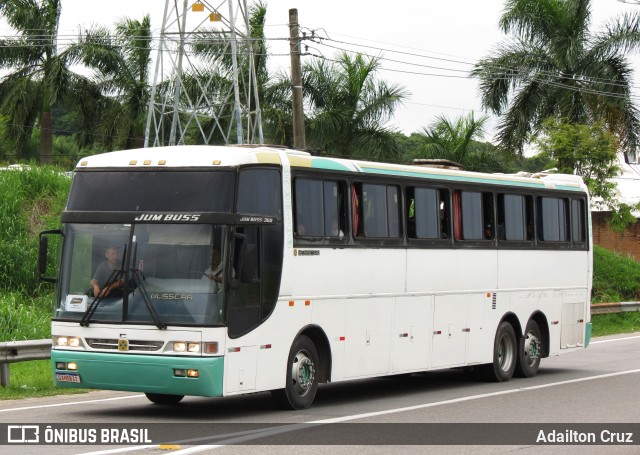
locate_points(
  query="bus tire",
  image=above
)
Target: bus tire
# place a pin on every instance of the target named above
(164, 399)
(302, 380)
(505, 355)
(529, 349)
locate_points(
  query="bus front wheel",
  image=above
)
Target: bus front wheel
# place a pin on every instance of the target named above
(529, 350)
(505, 357)
(302, 379)
(164, 399)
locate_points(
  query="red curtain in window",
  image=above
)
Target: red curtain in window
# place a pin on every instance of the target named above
(354, 210)
(457, 216)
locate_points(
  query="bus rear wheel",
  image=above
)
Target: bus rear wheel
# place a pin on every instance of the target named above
(302, 380)
(529, 350)
(164, 399)
(505, 357)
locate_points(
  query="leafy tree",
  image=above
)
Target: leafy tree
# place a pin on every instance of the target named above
(554, 67)
(591, 152)
(459, 141)
(38, 73)
(349, 107)
(122, 63)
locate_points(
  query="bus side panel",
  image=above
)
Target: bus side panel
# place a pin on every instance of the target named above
(554, 282)
(411, 334)
(261, 361)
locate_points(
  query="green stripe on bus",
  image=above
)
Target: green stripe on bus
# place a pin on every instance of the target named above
(461, 178)
(457, 178)
(323, 163)
(142, 373)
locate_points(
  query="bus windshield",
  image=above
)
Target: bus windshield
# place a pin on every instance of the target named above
(162, 274)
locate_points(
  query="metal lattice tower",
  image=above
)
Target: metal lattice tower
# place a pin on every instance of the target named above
(204, 87)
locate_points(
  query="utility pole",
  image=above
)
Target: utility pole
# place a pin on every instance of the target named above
(296, 81)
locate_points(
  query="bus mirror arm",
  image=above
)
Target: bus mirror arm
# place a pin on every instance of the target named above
(43, 253)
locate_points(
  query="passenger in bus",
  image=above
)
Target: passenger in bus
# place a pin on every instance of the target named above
(214, 271)
(106, 270)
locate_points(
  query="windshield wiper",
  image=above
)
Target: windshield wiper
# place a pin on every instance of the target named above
(86, 318)
(138, 279)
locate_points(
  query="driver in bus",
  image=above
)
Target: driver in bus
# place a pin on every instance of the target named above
(104, 272)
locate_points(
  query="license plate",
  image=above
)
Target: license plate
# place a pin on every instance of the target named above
(67, 377)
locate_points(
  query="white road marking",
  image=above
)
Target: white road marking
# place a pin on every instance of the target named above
(614, 339)
(42, 406)
(235, 439)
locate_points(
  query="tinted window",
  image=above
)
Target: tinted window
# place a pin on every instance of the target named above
(378, 210)
(309, 213)
(259, 192)
(553, 219)
(135, 191)
(472, 228)
(319, 208)
(514, 217)
(427, 216)
(577, 221)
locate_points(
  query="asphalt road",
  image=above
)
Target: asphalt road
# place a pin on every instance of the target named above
(590, 392)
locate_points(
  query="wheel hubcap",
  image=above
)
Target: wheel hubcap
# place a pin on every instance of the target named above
(302, 373)
(531, 348)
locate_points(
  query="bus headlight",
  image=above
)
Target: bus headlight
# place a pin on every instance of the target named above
(183, 346)
(73, 342)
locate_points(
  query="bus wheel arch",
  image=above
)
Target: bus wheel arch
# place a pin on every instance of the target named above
(323, 348)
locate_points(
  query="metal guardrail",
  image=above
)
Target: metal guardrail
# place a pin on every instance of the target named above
(21, 351)
(605, 308)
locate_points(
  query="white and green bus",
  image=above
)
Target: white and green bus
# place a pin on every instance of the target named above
(232, 270)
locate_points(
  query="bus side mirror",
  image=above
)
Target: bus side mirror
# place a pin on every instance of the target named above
(43, 255)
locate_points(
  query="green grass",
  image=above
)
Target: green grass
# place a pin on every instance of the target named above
(611, 324)
(25, 318)
(616, 278)
(32, 379)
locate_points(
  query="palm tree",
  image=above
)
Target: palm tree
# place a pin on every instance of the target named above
(38, 74)
(349, 108)
(122, 64)
(460, 141)
(554, 67)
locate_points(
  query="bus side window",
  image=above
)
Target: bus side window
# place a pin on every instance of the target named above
(553, 219)
(378, 210)
(578, 221)
(473, 215)
(319, 209)
(515, 217)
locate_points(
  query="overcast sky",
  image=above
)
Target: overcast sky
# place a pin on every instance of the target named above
(440, 41)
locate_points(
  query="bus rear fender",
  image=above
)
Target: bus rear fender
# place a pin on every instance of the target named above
(321, 342)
